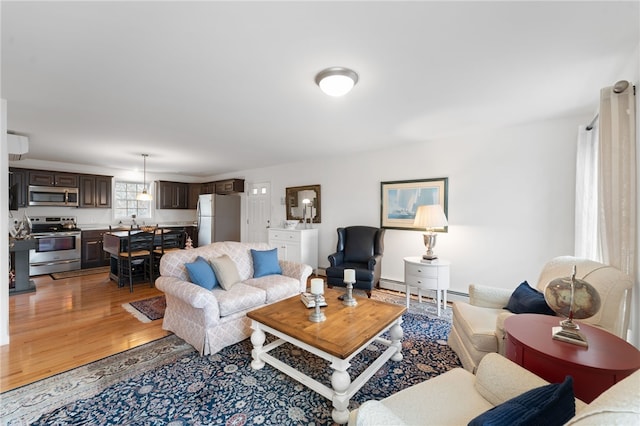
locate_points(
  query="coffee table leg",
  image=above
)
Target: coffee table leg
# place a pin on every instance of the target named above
(340, 382)
(257, 339)
(396, 333)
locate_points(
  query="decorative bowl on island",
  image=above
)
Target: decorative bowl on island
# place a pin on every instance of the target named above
(291, 224)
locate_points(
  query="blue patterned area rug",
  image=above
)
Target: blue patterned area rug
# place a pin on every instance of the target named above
(167, 383)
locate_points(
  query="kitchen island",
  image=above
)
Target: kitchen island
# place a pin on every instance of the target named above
(116, 242)
(19, 250)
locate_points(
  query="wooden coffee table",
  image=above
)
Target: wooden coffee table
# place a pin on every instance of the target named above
(346, 332)
(606, 361)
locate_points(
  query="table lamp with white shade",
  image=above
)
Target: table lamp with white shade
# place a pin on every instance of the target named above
(430, 217)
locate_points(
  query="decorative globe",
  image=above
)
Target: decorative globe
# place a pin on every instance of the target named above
(586, 300)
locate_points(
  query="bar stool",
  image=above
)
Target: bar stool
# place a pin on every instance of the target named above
(170, 240)
(132, 263)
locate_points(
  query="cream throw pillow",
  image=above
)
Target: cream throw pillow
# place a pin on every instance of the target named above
(226, 271)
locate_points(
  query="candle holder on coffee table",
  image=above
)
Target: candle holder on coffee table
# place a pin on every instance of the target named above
(317, 289)
(349, 280)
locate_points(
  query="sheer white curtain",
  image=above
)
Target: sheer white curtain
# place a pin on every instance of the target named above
(617, 216)
(587, 243)
(606, 217)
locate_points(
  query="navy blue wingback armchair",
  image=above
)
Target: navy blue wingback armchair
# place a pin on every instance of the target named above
(359, 248)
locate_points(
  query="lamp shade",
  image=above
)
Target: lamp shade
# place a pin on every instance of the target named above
(430, 216)
(336, 81)
(144, 196)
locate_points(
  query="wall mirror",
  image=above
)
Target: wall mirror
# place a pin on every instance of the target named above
(303, 202)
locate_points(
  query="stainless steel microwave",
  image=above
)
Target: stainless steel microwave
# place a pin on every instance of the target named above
(53, 196)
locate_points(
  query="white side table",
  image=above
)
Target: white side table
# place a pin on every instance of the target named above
(427, 275)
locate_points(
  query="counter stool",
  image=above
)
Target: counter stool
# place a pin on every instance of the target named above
(170, 240)
(132, 263)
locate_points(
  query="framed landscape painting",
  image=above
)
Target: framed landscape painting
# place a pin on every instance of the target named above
(400, 200)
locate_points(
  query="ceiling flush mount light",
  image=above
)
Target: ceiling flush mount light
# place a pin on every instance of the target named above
(336, 81)
(144, 195)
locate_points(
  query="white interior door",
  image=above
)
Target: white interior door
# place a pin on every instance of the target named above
(259, 212)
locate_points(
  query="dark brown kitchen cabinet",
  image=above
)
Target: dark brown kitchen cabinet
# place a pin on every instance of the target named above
(208, 188)
(93, 255)
(229, 186)
(195, 189)
(95, 191)
(47, 178)
(171, 195)
(17, 188)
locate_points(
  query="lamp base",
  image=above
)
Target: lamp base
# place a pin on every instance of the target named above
(569, 335)
(429, 256)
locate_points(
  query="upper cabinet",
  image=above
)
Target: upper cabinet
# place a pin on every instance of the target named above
(229, 186)
(195, 189)
(224, 187)
(178, 195)
(95, 191)
(46, 178)
(171, 195)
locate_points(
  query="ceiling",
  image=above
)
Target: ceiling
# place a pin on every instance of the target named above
(207, 88)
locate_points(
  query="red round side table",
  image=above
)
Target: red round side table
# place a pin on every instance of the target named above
(594, 369)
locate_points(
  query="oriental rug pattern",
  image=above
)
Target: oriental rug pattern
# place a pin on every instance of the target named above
(167, 382)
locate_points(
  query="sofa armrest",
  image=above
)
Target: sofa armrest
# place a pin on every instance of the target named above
(499, 379)
(489, 297)
(374, 413)
(299, 271)
(192, 295)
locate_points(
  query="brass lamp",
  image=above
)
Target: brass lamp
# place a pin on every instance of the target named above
(430, 217)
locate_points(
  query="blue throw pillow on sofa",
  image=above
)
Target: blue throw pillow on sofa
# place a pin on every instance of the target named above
(265, 262)
(547, 405)
(201, 273)
(527, 300)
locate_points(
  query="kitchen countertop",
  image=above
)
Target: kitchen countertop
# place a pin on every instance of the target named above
(101, 226)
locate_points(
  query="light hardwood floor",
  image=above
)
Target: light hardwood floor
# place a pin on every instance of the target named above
(70, 322)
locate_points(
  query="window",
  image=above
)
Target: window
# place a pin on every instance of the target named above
(126, 204)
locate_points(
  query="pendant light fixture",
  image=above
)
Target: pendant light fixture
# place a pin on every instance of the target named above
(144, 195)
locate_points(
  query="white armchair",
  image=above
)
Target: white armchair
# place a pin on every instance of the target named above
(478, 326)
(457, 396)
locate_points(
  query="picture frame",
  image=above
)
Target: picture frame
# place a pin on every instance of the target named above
(296, 210)
(400, 199)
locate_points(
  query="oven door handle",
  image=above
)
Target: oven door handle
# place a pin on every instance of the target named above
(56, 262)
(56, 234)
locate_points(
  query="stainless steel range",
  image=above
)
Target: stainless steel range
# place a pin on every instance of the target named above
(58, 247)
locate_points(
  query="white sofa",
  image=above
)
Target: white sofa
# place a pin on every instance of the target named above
(478, 326)
(210, 320)
(457, 396)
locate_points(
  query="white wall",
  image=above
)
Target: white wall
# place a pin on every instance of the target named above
(511, 199)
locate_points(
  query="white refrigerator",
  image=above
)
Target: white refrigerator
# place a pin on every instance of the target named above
(218, 218)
